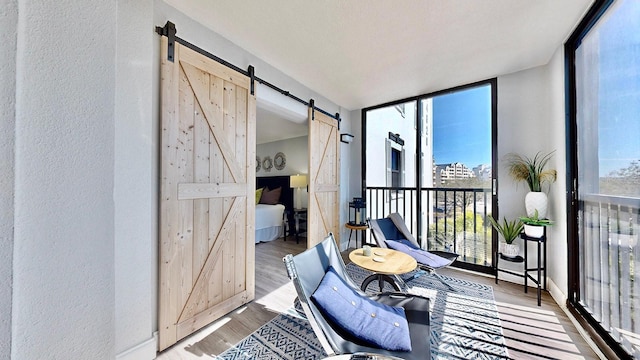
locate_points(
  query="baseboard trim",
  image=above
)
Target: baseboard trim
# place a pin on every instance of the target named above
(145, 350)
(560, 298)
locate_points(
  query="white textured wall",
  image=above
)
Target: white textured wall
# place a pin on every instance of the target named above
(354, 159)
(63, 295)
(531, 117)
(135, 182)
(9, 21)
(524, 118)
(558, 256)
(350, 169)
(295, 149)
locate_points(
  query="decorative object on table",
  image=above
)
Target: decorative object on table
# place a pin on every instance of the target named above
(534, 225)
(531, 170)
(358, 205)
(387, 267)
(298, 182)
(366, 250)
(267, 163)
(258, 165)
(509, 230)
(280, 161)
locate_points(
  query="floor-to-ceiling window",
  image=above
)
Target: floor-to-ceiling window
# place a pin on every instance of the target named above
(430, 158)
(603, 58)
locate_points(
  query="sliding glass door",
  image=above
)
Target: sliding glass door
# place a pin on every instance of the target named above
(460, 192)
(430, 158)
(604, 63)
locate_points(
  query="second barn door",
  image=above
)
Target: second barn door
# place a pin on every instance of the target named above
(324, 178)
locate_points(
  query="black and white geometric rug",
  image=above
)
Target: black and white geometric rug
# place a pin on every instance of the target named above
(464, 325)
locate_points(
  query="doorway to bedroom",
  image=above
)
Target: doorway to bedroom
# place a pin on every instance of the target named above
(282, 166)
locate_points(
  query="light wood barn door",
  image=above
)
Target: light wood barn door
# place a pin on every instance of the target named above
(324, 178)
(207, 205)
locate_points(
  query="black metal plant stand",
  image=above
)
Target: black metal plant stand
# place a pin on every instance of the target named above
(541, 267)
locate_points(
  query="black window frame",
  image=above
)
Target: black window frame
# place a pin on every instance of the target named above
(493, 83)
(602, 338)
(396, 158)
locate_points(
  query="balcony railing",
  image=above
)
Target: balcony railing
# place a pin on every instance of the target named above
(452, 219)
(610, 265)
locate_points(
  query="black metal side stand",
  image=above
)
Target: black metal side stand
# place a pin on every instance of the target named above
(541, 267)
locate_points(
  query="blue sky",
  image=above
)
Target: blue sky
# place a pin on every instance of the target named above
(617, 73)
(462, 127)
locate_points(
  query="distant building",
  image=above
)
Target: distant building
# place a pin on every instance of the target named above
(452, 171)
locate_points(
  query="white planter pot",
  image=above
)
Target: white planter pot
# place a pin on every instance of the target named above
(509, 250)
(536, 200)
(534, 231)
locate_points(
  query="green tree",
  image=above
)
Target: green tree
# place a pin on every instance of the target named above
(460, 200)
(445, 230)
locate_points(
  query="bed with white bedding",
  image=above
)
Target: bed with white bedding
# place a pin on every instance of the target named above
(271, 219)
(269, 222)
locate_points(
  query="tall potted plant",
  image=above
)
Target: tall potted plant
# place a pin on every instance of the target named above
(532, 171)
(509, 230)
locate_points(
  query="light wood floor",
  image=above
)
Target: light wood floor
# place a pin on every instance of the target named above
(531, 332)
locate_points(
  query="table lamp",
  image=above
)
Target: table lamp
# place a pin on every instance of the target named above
(298, 182)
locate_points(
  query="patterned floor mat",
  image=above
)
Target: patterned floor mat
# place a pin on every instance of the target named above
(464, 325)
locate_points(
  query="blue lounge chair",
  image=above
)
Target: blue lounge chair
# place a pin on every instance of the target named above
(308, 271)
(392, 232)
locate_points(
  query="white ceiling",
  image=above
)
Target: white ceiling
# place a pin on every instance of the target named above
(363, 53)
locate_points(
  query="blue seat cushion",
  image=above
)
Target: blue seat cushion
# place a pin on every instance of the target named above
(375, 324)
(407, 243)
(421, 256)
(389, 229)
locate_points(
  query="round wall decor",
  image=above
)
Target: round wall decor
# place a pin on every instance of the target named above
(267, 163)
(280, 161)
(257, 163)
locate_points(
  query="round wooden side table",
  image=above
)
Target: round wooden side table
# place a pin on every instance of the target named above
(383, 263)
(363, 228)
